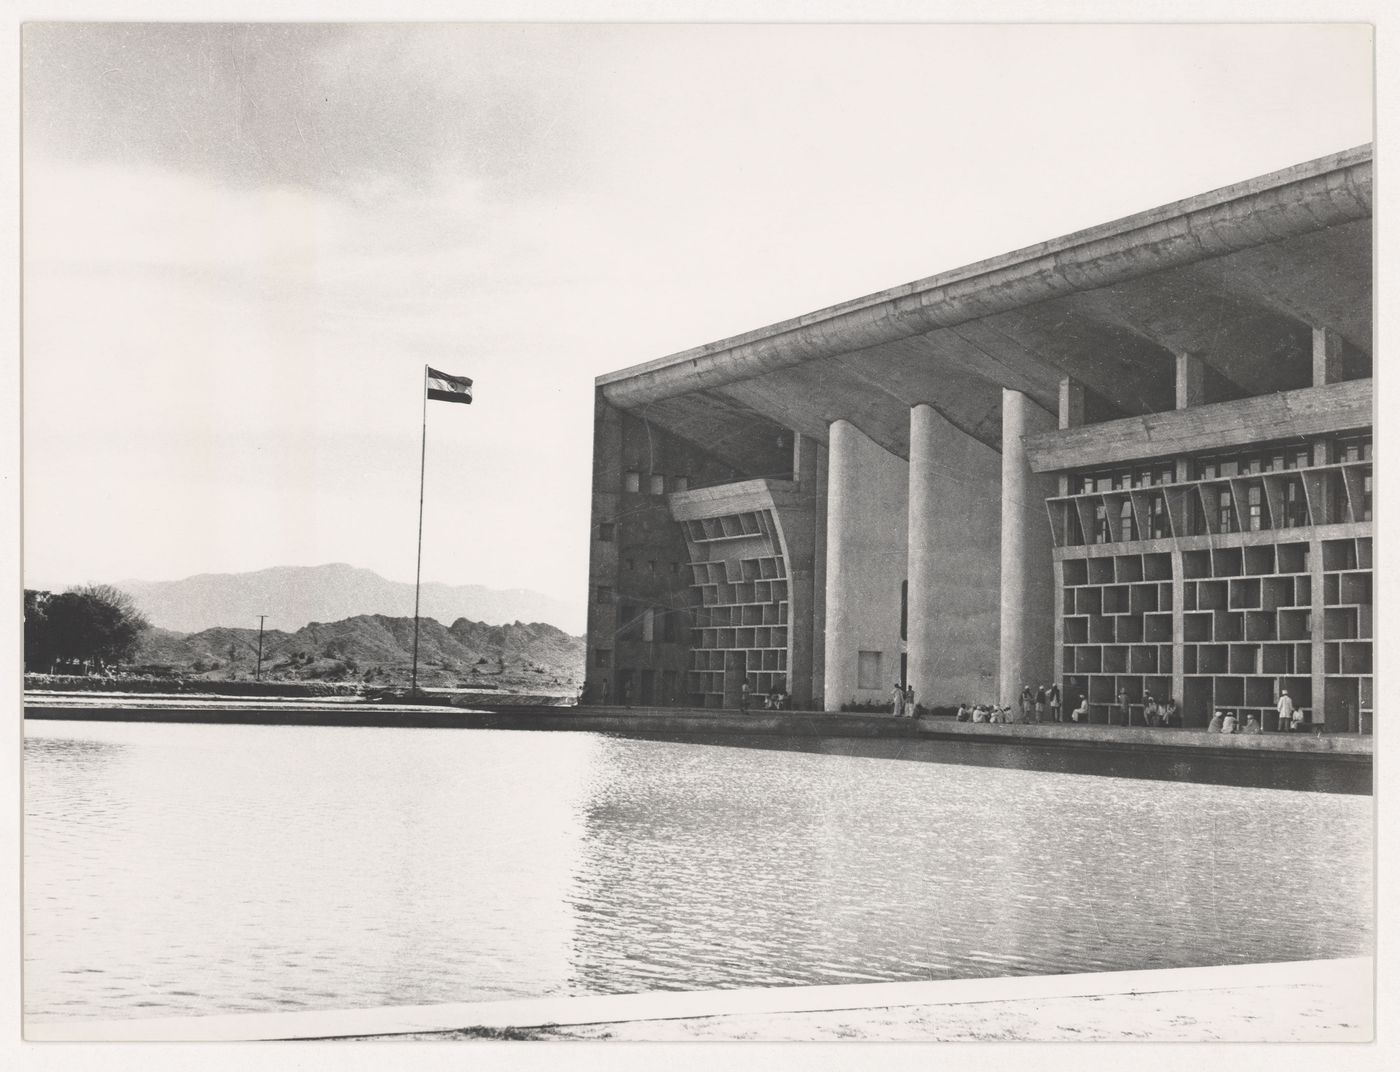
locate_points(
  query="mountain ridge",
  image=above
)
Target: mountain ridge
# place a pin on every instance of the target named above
(377, 647)
(295, 596)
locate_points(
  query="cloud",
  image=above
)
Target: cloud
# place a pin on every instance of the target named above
(358, 111)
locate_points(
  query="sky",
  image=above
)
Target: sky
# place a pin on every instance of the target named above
(243, 243)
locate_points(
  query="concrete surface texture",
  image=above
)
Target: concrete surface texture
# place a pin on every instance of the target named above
(867, 554)
(954, 583)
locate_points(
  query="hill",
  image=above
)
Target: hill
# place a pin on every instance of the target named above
(379, 649)
(294, 596)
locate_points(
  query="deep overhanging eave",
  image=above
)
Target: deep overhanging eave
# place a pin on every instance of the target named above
(1307, 197)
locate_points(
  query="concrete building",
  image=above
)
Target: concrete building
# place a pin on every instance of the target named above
(1135, 459)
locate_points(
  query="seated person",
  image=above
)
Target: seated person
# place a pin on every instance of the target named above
(1081, 713)
(1228, 726)
(1252, 725)
(1215, 722)
(1171, 715)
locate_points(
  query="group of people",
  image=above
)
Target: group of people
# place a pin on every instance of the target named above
(983, 713)
(1165, 714)
(1226, 722)
(774, 700)
(903, 697)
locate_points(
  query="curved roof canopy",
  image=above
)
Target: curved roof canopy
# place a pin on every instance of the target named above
(1238, 277)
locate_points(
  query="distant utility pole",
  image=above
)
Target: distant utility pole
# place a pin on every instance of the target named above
(261, 618)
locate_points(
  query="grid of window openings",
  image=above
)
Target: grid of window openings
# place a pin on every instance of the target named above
(654, 483)
(739, 613)
(1283, 486)
(1289, 608)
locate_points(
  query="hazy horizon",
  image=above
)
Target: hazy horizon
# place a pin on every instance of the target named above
(243, 243)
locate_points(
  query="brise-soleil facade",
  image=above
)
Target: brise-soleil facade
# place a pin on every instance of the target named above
(1135, 459)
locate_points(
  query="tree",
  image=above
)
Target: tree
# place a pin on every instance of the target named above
(92, 624)
(38, 643)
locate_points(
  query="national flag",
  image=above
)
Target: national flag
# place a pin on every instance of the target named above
(446, 388)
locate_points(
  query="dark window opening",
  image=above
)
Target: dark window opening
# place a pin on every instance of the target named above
(1226, 512)
(1101, 529)
(1256, 509)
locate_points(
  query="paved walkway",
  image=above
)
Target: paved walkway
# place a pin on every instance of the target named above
(1297, 1001)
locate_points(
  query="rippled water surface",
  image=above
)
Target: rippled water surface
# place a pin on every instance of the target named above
(200, 869)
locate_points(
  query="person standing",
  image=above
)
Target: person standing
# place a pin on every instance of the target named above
(1151, 713)
(1053, 696)
(1285, 712)
(898, 695)
(909, 708)
(744, 697)
(1040, 704)
(1125, 711)
(1027, 703)
(627, 693)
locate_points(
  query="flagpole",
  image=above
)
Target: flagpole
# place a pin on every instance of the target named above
(418, 573)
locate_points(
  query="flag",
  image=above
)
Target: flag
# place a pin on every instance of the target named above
(447, 388)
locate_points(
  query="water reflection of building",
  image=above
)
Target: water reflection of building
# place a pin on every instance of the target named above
(1136, 458)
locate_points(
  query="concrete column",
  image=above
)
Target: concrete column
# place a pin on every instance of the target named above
(798, 531)
(1327, 357)
(954, 586)
(1071, 403)
(1320, 711)
(866, 559)
(1190, 381)
(1027, 575)
(819, 512)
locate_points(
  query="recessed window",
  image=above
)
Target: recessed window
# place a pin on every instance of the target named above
(1226, 513)
(1102, 534)
(1295, 505)
(868, 672)
(605, 594)
(648, 625)
(1157, 516)
(1256, 513)
(680, 483)
(602, 656)
(1127, 523)
(605, 531)
(658, 484)
(631, 480)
